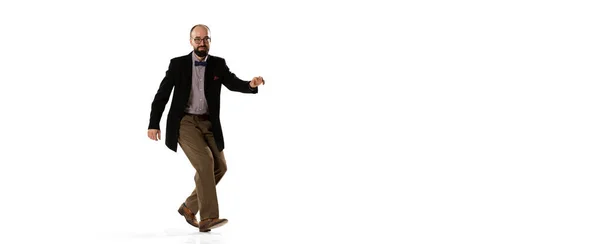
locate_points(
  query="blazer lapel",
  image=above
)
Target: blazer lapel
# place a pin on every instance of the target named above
(208, 72)
(187, 71)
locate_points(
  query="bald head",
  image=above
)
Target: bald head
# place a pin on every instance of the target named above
(200, 40)
(200, 26)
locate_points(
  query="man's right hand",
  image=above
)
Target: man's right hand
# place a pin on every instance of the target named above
(154, 134)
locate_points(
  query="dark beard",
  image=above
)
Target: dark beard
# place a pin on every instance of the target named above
(201, 53)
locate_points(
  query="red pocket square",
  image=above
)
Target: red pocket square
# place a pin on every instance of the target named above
(216, 77)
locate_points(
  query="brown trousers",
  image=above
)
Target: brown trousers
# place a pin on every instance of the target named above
(198, 144)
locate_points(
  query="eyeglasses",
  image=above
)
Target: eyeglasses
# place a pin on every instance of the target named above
(199, 40)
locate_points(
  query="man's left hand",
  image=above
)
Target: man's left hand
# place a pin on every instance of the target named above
(256, 81)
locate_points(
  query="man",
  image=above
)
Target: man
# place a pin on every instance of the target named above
(193, 121)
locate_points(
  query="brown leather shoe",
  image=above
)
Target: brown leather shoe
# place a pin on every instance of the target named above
(208, 224)
(188, 215)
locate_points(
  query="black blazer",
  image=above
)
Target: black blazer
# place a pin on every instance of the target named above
(179, 76)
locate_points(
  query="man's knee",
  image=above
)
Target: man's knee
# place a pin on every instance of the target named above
(224, 167)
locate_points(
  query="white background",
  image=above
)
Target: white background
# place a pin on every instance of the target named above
(380, 122)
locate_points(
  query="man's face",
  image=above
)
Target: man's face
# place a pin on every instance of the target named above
(200, 41)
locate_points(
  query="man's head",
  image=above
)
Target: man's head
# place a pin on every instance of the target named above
(200, 40)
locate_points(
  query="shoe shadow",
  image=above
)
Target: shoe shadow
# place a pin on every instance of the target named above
(203, 238)
(197, 237)
(176, 236)
(180, 232)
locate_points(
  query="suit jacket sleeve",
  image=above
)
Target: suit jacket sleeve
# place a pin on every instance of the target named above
(233, 83)
(162, 97)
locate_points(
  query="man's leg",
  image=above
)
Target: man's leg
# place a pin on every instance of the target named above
(220, 169)
(192, 201)
(218, 156)
(192, 141)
